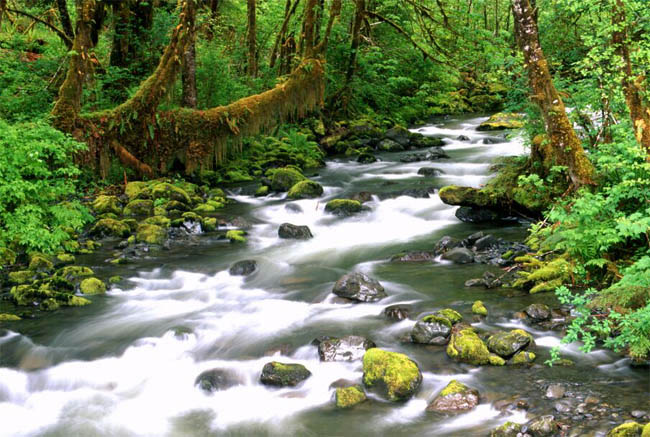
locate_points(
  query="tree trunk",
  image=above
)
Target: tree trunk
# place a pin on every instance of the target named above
(281, 38)
(65, 18)
(307, 40)
(354, 44)
(565, 147)
(133, 21)
(189, 76)
(252, 39)
(632, 84)
(3, 10)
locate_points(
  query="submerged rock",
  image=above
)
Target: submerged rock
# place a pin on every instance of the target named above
(295, 232)
(217, 379)
(243, 268)
(343, 207)
(506, 344)
(359, 287)
(544, 426)
(283, 374)
(459, 255)
(416, 256)
(348, 348)
(471, 214)
(455, 397)
(445, 244)
(429, 171)
(394, 375)
(347, 397)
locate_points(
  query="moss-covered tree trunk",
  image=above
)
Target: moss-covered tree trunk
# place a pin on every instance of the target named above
(565, 148)
(356, 37)
(251, 39)
(633, 84)
(188, 74)
(3, 10)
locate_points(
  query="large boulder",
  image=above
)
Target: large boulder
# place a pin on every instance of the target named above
(348, 348)
(343, 207)
(168, 191)
(399, 134)
(432, 329)
(306, 189)
(359, 287)
(538, 312)
(217, 379)
(139, 208)
(151, 234)
(347, 397)
(506, 344)
(470, 214)
(502, 120)
(283, 375)
(108, 227)
(295, 232)
(388, 145)
(466, 346)
(629, 429)
(445, 244)
(106, 205)
(455, 397)
(285, 178)
(459, 255)
(429, 171)
(394, 375)
(92, 286)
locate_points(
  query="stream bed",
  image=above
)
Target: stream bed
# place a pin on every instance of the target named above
(126, 365)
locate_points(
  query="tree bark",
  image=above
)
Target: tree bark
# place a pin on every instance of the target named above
(3, 10)
(64, 16)
(632, 84)
(354, 43)
(565, 148)
(280, 39)
(189, 99)
(252, 39)
(133, 20)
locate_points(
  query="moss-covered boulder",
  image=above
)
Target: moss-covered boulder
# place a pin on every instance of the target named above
(306, 189)
(629, 429)
(508, 429)
(394, 375)
(209, 224)
(164, 190)
(74, 273)
(7, 256)
(343, 207)
(285, 178)
(538, 276)
(468, 196)
(431, 329)
(452, 315)
(39, 262)
(347, 397)
(107, 205)
(646, 430)
(139, 208)
(262, 191)
(502, 120)
(151, 234)
(204, 209)
(455, 397)
(236, 236)
(20, 277)
(521, 358)
(158, 220)
(63, 259)
(466, 346)
(479, 309)
(92, 286)
(137, 190)
(8, 317)
(283, 375)
(110, 228)
(506, 344)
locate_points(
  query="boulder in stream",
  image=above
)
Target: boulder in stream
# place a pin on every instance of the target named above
(243, 268)
(295, 232)
(348, 348)
(359, 287)
(348, 397)
(283, 374)
(459, 255)
(445, 244)
(629, 429)
(466, 346)
(397, 312)
(471, 214)
(416, 256)
(217, 379)
(538, 312)
(508, 429)
(429, 171)
(343, 207)
(306, 189)
(392, 374)
(506, 344)
(455, 397)
(433, 329)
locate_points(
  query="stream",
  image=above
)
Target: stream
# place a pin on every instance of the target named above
(126, 365)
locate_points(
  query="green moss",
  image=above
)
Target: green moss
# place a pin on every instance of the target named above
(539, 276)
(110, 228)
(77, 301)
(209, 224)
(8, 318)
(395, 372)
(158, 220)
(479, 309)
(285, 178)
(467, 196)
(502, 120)
(160, 210)
(347, 397)
(114, 279)
(646, 430)
(139, 208)
(453, 388)
(137, 190)
(64, 259)
(343, 207)
(205, 208)
(453, 316)
(21, 277)
(151, 234)
(433, 318)
(236, 236)
(508, 429)
(467, 347)
(522, 357)
(168, 191)
(92, 286)
(262, 191)
(630, 429)
(50, 305)
(306, 189)
(495, 360)
(74, 273)
(7, 256)
(107, 205)
(41, 263)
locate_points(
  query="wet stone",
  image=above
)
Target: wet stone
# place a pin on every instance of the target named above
(555, 391)
(349, 348)
(243, 268)
(359, 287)
(295, 232)
(217, 379)
(397, 312)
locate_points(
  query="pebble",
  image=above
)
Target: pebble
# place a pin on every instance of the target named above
(562, 407)
(638, 413)
(555, 391)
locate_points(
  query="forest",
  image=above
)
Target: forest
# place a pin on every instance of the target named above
(325, 217)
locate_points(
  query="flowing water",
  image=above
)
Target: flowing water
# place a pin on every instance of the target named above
(126, 365)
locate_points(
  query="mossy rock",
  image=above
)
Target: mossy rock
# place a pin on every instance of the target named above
(466, 346)
(506, 344)
(284, 374)
(110, 228)
(209, 224)
(205, 208)
(479, 309)
(540, 276)
(139, 208)
(160, 210)
(455, 397)
(522, 357)
(343, 207)
(40, 263)
(158, 220)
(168, 191)
(137, 190)
(8, 318)
(285, 178)
(508, 429)
(115, 279)
(151, 234)
(452, 315)
(646, 430)
(92, 286)
(216, 192)
(74, 273)
(435, 318)
(502, 120)
(63, 259)
(630, 429)
(262, 191)
(7, 257)
(107, 205)
(174, 205)
(395, 375)
(468, 196)
(50, 304)
(347, 397)
(77, 301)
(306, 189)
(236, 236)
(21, 277)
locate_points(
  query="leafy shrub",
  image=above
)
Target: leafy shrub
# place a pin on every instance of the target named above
(37, 193)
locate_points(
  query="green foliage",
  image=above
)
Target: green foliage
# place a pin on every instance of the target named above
(38, 207)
